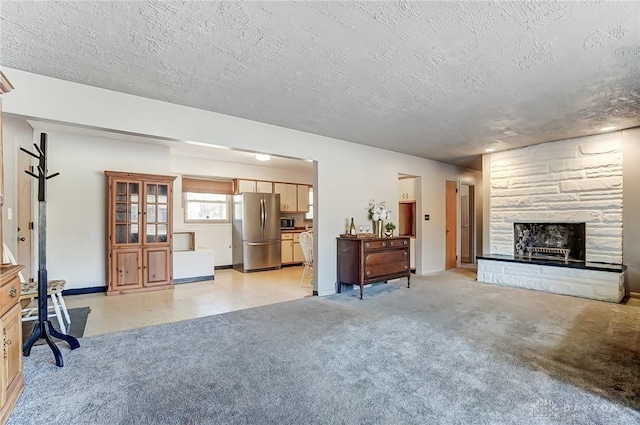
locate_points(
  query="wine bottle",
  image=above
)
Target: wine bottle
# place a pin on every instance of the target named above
(352, 227)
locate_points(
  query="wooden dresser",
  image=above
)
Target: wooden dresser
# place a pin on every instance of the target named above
(11, 377)
(366, 260)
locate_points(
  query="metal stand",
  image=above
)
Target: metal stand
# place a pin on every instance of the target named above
(43, 328)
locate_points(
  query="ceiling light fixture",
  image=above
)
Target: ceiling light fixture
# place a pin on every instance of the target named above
(611, 127)
(490, 149)
(262, 157)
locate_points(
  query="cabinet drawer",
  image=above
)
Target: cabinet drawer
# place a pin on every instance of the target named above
(287, 236)
(396, 243)
(9, 294)
(387, 257)
(371, 245)
(373, 271)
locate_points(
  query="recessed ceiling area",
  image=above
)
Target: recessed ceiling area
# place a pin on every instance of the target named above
(180, 147)
(439, 80)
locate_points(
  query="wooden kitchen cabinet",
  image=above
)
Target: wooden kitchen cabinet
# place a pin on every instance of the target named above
(298, 255)
(407, 189)
(139, 232)
(367, 260)
(303, 197)
(286, 252)
(11, 376)
(242, 186)
(291, 252)
(288, 196)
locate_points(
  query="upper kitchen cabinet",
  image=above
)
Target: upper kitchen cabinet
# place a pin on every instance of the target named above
(407, 189)
(303, 197)
(264, 187)
(288, 196)
(242, 186)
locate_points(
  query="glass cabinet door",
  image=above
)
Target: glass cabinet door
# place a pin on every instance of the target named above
(157, 215)
(126, 214)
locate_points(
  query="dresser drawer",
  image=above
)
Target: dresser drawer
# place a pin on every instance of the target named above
(373, 245)
(398, 242)
(378, 270)
(9, 294)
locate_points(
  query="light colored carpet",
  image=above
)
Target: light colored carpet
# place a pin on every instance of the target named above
(447, 351)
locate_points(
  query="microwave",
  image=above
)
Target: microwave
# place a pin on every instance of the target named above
(287, 222)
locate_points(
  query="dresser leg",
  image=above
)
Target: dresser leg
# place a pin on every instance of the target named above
(361, 288)
(409, 281)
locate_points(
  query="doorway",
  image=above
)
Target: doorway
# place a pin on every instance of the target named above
(451, 210)
(467, 254)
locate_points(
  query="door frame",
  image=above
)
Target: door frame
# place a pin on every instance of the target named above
(26, 207)
(472, 222)
(451, 263)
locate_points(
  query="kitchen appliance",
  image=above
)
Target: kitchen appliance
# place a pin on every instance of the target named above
(256, 231)
(287, 223)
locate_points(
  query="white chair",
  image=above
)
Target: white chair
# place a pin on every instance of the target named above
(306, 243)
(29, 291)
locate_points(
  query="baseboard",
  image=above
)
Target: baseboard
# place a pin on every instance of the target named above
(193, 279)
(634, 294)
(81, 291)
(225, 267)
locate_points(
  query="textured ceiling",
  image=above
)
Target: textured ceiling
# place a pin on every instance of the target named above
(440, 80)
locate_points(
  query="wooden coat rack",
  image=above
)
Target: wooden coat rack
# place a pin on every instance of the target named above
(43, 327)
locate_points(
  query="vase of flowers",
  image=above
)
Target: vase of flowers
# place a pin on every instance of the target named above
(378, 212)
(389, 227)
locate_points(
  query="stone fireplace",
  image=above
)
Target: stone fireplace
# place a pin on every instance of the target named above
(554, 241)
(544, 200)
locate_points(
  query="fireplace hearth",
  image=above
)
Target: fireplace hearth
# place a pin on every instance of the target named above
(561, 241)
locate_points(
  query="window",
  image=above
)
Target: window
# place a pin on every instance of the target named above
(309, 214)
(206, 200)
(208, 207)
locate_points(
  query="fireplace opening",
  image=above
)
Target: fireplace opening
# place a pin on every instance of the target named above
(556, 241)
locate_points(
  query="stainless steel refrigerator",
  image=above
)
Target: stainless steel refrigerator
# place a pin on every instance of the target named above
(256, 231)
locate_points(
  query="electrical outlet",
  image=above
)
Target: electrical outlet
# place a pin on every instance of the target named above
(426, 217)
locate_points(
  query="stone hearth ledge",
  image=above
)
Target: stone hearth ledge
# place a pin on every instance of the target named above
(597, 281)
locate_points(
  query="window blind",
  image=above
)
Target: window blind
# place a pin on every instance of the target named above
(220, 187)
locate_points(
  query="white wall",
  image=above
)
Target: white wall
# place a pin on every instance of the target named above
(348, 175)
(77, 201)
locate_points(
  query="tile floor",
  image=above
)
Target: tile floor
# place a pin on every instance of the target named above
(231, 290)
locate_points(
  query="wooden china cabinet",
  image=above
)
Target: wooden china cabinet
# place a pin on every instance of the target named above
(140, 234)
(11, 377)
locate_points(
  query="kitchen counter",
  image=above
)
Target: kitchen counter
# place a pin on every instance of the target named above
(296, 230)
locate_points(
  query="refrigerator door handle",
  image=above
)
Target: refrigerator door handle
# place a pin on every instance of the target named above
(262, 214)
(261, 243)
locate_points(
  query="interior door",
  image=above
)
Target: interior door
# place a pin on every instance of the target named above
(451, 224)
